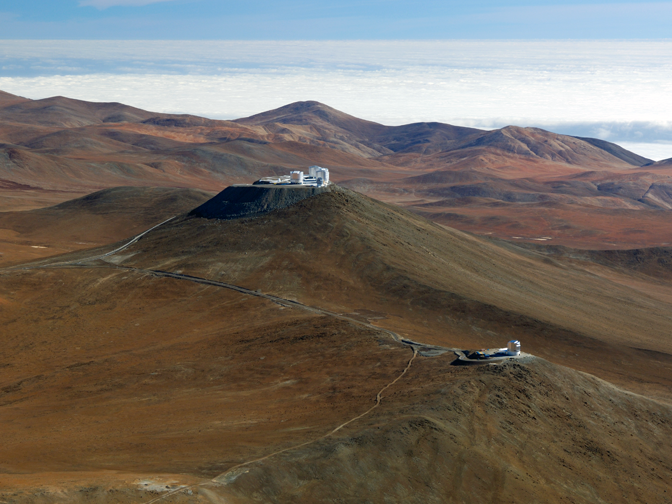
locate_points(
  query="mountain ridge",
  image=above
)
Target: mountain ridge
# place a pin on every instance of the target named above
(254, 350)
(67, 147)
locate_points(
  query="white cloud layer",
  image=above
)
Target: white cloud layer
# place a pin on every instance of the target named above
(104, 4)
(615, 90)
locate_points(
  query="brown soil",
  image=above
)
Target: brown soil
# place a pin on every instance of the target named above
(120, 385)
(517, 183)
(529, 432)
(93, 220)
(344, 252)
(116, 378)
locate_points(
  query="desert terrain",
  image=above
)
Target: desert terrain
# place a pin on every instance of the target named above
(514, 183)
(268, 357)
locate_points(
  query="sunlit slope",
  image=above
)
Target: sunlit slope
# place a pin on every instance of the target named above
(96, 219)
(114, 370)
(112, 375)
(514, 183)
(106, 369)
(346, 252)
(534, 432)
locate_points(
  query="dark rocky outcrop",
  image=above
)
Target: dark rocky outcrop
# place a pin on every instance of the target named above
(238, 201)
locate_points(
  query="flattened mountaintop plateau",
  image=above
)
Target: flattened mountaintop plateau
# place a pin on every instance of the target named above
(514, 183)
(225, 381)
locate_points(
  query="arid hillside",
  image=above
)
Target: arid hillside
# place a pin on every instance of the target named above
(59, 146)
(160, 344)
(528, 432)
(346, 252)
(96, 219)
(267, 358)
(515, 183)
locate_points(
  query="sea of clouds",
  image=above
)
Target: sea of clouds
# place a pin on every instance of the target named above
(615, 90)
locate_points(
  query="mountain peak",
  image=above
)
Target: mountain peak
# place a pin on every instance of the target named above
(299, 107)
(313, 113)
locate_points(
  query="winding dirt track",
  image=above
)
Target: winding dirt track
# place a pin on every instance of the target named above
(234, 471)
(288, 303)
(86, 262)
(223, 478)
(136, 238)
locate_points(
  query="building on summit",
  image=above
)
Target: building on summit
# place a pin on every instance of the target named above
(512, 349)
(317, 177)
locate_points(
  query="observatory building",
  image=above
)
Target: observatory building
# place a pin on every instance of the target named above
(512, 350)
(317, 177)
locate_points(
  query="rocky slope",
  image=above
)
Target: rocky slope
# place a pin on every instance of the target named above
(239, 201)
(118, 384)
(96, 219)
(515, 183)
(122, 385)
(529, 432)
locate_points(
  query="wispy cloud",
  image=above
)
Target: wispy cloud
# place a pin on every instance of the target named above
(615, 90)
(104, 4)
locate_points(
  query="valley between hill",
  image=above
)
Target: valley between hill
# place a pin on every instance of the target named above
(514, 183)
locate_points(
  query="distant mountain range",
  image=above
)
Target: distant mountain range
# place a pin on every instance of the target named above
(515, 183)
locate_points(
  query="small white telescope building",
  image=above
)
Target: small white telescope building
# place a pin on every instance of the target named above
(317, 177)
(512, 350)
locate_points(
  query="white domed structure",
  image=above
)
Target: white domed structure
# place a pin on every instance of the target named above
(513, 348)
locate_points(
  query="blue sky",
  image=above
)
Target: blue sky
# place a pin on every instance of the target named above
(598, 68)
(332, 20)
